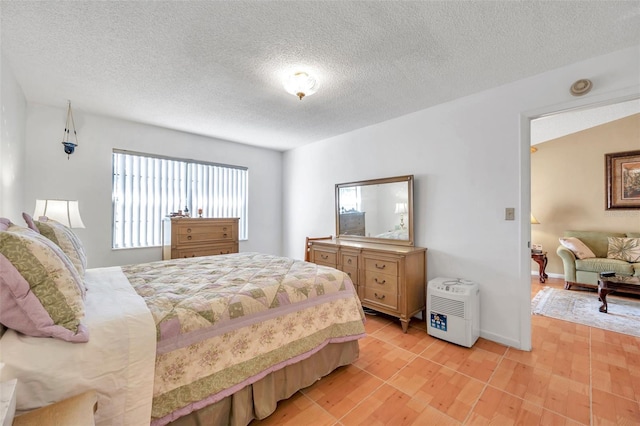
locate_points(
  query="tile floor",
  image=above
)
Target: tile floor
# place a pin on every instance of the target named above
(575, 375)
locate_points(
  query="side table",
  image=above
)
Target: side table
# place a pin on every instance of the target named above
(7, 401)
(77, 410)
(541, 259)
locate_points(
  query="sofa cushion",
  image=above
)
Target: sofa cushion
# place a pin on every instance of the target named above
(597, 241)
(633, 234)
(603, 265)
(579, 249)
(627, 249)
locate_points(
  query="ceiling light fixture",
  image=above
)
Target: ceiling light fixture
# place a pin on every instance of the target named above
(301, 84)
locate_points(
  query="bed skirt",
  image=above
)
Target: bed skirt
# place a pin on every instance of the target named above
(259, 400)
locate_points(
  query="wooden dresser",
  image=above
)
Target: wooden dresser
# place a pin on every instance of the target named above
(192, 237)
(388, 278)
(352, 223)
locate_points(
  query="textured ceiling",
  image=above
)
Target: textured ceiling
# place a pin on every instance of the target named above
(216, 68)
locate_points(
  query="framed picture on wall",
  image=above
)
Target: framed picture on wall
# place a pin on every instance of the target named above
(623, 180)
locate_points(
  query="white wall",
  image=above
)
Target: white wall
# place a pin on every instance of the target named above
(470, 158)
(12, 143)
(86, 176)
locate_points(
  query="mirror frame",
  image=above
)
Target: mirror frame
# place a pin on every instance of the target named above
(396, 179)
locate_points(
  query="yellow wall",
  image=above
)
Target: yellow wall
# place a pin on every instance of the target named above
(568, 185)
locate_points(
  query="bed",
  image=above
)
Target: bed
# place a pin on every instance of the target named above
(212, 340)
(398, 234)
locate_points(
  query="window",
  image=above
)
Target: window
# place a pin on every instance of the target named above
(350, 198)
(146, 188)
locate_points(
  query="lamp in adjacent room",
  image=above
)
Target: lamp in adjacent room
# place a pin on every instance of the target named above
(301, 84)
(64, 211)
(534, 221)
(69, 147)
(401, 209)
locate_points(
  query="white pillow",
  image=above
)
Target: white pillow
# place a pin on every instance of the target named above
(577, 247)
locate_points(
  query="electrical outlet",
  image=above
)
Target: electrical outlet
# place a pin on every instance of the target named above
(510, 213)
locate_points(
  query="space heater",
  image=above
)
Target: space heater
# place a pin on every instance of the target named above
(453, 310)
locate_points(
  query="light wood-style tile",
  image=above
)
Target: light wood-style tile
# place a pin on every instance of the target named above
(342, 390)
(575, 375)
(441, 387)
(380, 358)
(474, 362)
(496, 407)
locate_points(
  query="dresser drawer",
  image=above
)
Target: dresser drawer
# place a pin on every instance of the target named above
(353, 274)
(383, 282)
(388, 267)
(200, 233)
(209, 250)
(327, 258)
(349, 261)
(378, 297)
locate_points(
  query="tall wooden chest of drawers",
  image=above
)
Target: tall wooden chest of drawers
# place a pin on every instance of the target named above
(388, 278)
(352, 223)
(192, 237)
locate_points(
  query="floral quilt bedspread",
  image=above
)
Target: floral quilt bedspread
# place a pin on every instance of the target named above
(226, 321)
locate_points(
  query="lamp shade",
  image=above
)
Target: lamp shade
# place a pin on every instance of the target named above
(64, 211)
(534, 221)
(401, 208)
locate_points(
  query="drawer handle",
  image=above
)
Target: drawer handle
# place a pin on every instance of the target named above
(349, 261)
(379, 282)
(349, 273)
(381, 267)
(222, 252)
(324, 256)
(224, 235)
(224, 229)
(189, 237)
(188, 230)
(379, 297)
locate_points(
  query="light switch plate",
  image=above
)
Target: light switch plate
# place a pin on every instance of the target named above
(510, 213)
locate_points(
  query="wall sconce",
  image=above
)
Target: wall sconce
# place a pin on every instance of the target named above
(534, 221)
(69, 147)
(64, 211)
(401, 209)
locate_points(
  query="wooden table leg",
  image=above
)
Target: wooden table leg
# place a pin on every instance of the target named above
(602, 294)
(541, 259)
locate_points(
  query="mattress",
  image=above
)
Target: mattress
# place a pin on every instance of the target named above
(117, 361)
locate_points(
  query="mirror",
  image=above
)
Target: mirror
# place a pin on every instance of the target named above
(379, 210)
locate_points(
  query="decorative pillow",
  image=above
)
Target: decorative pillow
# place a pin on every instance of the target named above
(63, 237)
(627, 249)
(40, 293)
(52, 245)
(577, 247)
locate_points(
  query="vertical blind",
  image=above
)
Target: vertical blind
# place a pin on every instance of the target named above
(147, 188)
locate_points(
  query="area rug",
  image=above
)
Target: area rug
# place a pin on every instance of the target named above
(582, 308)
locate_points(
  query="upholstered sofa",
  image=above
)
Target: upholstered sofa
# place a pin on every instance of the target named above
(586, 271)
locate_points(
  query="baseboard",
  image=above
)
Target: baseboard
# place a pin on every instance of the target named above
(500, 339)
(551, 275)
